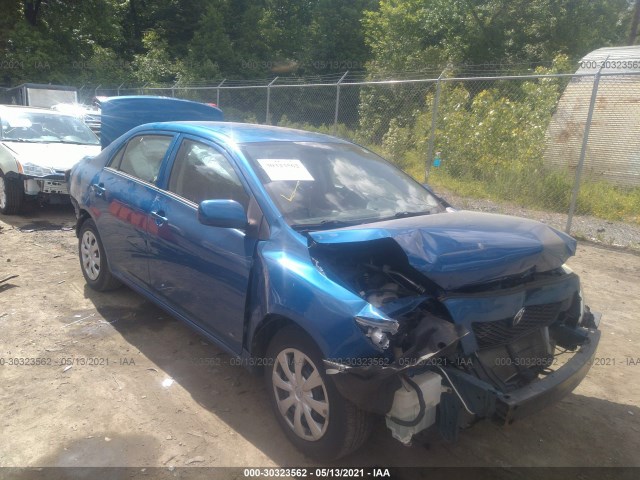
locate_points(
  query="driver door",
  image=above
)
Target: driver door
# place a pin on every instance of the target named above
(201, 271)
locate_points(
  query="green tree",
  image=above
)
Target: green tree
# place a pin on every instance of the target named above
(155, 66)
(211, 50)
(59, 48)
(415, 34)
(334, 40)
(284, 26)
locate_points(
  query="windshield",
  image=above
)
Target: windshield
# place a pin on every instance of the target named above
(42, 127)
(326, 185)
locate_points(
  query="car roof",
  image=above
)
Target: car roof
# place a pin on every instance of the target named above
(247, 132)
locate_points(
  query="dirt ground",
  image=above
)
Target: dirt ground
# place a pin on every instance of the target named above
(143, 390)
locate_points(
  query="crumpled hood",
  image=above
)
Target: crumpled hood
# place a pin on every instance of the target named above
(59, 156)
(465, 248)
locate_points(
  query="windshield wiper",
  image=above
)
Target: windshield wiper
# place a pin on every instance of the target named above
(404, 214)
(73, 142)
(321, 225)
(411, 214)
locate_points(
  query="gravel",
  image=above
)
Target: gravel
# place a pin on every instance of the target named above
(584, 227)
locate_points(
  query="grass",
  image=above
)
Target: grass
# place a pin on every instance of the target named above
(549, 191)
(604, 200)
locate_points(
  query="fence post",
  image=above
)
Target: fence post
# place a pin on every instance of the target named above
(583, 149)
(268, 120)
(118, 90)
(432, 135)
(173, 91)
(335, 118)
(218, 92)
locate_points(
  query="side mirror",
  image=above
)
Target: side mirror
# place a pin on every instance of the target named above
(222, 213)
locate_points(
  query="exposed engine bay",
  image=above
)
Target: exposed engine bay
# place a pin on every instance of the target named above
(382, 277)
(479, 355)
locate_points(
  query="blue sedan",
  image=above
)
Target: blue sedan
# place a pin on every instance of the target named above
(355, 290)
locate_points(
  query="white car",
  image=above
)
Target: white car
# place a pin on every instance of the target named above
(88, 114)
(37, 147)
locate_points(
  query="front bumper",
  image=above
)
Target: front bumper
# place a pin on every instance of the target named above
(49, 185)
(372, 389)
(547, 390)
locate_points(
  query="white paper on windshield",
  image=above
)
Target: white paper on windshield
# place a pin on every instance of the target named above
(285, 169)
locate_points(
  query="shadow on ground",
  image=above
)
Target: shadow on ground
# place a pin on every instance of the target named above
(36, 217)
(578, 431)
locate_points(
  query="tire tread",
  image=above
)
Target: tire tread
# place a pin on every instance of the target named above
(359, 428)
(15, 195)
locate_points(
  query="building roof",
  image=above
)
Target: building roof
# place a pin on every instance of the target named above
(613, 150)
(617, 59)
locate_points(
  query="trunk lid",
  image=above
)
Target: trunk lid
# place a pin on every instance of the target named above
(121, 114)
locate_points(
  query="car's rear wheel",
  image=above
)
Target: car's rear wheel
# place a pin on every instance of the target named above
(11, 195)
(310, 410)
(93, 260)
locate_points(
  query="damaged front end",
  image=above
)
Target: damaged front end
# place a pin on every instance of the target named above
(502, 348)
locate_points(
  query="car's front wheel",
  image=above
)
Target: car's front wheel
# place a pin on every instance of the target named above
(93, 260)
(310, 410)
(11, 195)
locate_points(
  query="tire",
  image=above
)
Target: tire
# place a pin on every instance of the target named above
(339, 427)
(11, 195)
(93, 261)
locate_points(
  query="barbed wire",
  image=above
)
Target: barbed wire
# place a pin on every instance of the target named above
(462, 70)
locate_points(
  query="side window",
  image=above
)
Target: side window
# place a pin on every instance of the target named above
(117, 158)
(143, 156)
(201, 172)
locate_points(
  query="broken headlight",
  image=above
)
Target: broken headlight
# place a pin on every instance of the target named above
(376, 326)
(34, 170)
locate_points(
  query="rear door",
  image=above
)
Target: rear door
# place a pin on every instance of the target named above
(121, 199)
(201, 271)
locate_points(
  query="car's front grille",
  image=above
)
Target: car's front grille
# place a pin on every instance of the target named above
(505, 331)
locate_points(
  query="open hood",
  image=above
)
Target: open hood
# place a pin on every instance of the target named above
(121, 114)
(465, 248)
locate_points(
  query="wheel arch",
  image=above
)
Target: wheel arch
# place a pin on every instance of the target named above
(82, 216)
(264, 332)
(8, 163)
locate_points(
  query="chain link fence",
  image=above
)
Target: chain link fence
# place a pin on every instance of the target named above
(564, 148)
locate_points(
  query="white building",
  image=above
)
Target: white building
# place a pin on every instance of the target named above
(613, 151)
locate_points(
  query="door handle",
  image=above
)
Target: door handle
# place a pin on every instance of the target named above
(159, 217)
(99, 189)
